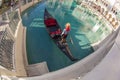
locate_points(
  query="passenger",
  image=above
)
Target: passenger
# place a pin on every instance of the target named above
(65, 32)
(57, 34)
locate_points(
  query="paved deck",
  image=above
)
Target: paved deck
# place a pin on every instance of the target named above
(37, 69)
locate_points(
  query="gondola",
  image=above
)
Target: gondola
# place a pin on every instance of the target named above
(54, 30)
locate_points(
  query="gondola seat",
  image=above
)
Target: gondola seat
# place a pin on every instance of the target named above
(50, 22)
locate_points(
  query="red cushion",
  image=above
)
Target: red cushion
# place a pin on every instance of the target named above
(50, 22)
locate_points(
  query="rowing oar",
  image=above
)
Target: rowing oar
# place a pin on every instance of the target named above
(71, 39)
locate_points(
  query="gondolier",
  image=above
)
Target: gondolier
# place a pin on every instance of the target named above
(65, 32)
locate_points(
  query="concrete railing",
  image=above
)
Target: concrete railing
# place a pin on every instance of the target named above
(109, 67)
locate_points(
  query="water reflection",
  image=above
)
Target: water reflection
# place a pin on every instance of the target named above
(93, 25)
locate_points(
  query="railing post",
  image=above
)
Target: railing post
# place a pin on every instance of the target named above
(7, 17)
(20, 6)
